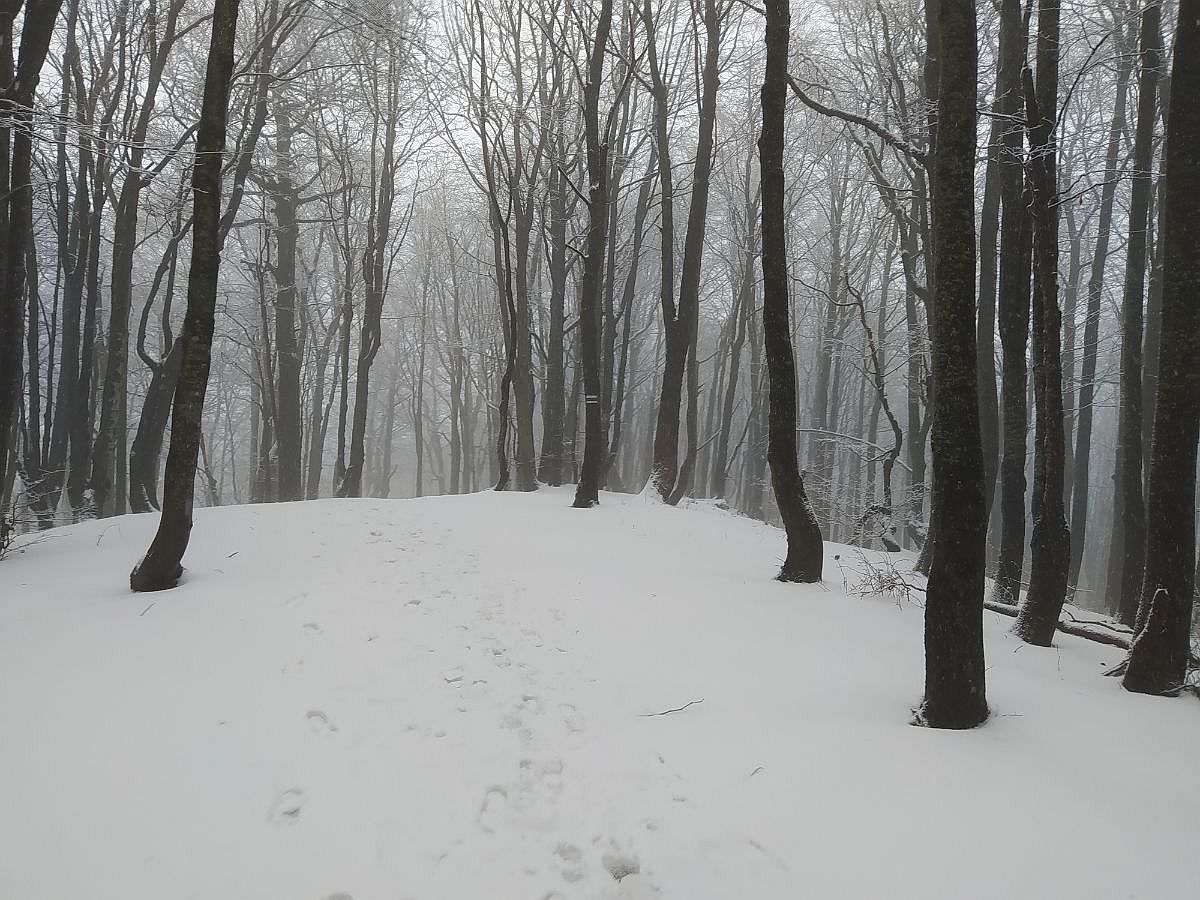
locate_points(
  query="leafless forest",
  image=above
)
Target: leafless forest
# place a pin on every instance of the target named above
(502, 243)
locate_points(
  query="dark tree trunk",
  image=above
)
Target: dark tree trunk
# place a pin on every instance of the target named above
(954, 665)
(693, 239)
(1015, 251)
(755, 457)
(19, 85)
(525, 457)
(287, 371)
(1050, 543)
(1128, 544)
(152, 425)
(587, 492)
(374, 269)
(985, 333)
(161, 567)
(1159, 657)
(805, 550)
(554, 402)
(72, 250)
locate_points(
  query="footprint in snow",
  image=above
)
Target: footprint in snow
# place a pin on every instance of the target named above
(320, 723)
(572, 859)
(287, 807)
(571, 718)
(620, 864)
(500, 658)
(492, 808)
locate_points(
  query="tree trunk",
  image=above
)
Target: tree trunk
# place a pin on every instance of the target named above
(1015, 264)
(954, 664)
(161, 569)
(287, 371)
(1050, 543)
(19, 85)
(587, 492)
(554, 402)
(805, 550)
(375, 267)
(985, 332)
(1128, 544)
(1159, 658)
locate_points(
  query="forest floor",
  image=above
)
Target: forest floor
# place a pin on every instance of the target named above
(468, 698)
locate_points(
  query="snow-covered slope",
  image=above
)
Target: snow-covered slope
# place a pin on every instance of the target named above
(452, 698)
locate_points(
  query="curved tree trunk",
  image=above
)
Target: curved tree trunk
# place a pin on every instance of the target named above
(805, 550)
(161, 567)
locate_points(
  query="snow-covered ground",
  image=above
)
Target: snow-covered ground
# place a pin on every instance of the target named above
(454, 698)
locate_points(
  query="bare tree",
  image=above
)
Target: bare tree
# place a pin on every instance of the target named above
(161, 567)
(1159, 658)
(805, 551)
(954, 666)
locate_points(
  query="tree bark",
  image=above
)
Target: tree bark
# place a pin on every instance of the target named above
(954, 664)
(805, 550)
(1015, 264)
(1128, 543)
(587, 491)
(19, 85)
(1050, 543)
(287, 370)
(554, 402)
(1159, 658)
(161, 567)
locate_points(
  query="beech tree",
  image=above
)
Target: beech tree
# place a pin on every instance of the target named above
(1049, 548)
(1158, 660)
(805, 551)
(19, 79)
(954, 667)
(161, 567)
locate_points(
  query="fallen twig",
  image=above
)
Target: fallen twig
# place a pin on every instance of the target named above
(675, 710)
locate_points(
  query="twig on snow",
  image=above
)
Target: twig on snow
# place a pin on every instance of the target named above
(675, 710)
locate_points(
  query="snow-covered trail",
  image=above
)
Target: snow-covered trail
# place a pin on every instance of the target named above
(453, 698)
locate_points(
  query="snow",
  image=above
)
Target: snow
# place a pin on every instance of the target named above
(455, 698)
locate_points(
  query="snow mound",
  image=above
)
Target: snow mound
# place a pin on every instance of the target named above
(498, 696)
